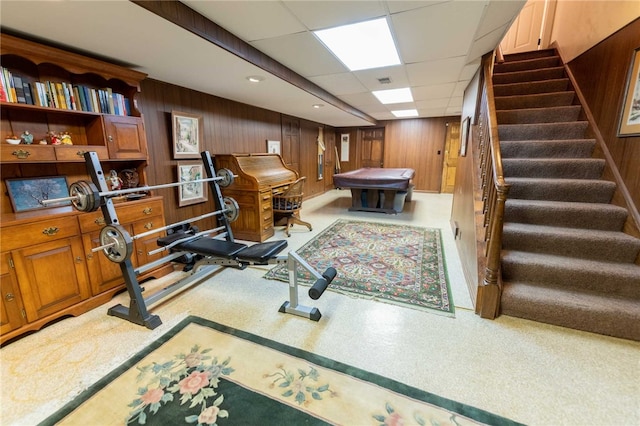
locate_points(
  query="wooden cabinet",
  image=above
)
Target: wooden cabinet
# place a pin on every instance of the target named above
(48, 268)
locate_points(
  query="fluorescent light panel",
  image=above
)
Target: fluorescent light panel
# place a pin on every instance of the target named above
(363, 45)
(394, 96)
(404, 113)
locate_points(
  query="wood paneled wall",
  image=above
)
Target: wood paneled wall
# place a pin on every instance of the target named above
(229, 127)
(602, 73)
(418, 144)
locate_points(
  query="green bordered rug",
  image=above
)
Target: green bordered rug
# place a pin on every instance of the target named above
(204, 373)
(398, 264)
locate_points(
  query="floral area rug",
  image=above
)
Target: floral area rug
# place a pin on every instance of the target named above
(392, 263)
(204, 373)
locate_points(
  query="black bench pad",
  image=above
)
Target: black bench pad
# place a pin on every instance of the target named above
(211, 247)
(262, 252)
(165, 241)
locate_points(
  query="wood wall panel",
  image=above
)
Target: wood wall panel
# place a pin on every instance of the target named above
(601, 73)
(418, 144)
(228, 127)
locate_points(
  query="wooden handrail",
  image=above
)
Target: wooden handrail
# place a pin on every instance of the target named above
(494, 192)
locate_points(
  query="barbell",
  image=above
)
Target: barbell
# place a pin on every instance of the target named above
(86, 197)
(117, 243)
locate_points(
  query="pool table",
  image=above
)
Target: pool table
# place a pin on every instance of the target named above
(375, 189)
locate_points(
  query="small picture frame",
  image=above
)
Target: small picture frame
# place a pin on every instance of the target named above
(28, 193)
(464, 136)
(273, 147)
(187, 133)
(193, 192)
(630, 112)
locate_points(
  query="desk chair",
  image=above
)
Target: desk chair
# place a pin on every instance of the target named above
(287, 205)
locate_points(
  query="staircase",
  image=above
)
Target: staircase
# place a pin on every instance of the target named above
(565, 259)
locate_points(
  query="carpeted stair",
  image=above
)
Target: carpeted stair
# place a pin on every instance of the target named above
(565, 259)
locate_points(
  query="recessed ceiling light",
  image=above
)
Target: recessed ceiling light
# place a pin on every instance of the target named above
(404, 113)
(255, 78)
(316, 106)
(363, 45)
(394, 96)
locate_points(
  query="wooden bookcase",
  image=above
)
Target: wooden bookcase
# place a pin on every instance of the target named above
(47, 267)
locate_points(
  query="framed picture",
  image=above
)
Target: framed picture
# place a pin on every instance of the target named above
(464, 136)
(191, 192)
(344, 147)
(273, 147)
(27, 194)
(187, 133)
(630, 115)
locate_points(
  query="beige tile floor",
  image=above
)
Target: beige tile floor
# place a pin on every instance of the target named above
(530, 372)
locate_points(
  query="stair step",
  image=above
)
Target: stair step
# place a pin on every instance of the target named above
(611, 278)
(577, 190)
(527, 64)
(530, 87)
(612, 246)
(523, 56)
(532, 75)
(555, 114)
(566, 168)
(567, 148)
(605, 217)
(596, 313)
(537, 100)
(541, 131)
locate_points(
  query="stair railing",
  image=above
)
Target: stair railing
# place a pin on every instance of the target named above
(494, 195)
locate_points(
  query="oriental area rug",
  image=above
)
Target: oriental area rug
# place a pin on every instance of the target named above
(204, 373)
(392, 263)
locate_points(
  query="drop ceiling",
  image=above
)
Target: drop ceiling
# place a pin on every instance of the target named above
(440, 45)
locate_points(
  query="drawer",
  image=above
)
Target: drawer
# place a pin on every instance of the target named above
(127, 213)
(148, 224)
(26, 153)
(18, 236)
(76, 152)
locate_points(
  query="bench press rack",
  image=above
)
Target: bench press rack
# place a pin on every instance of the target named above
(210, 252)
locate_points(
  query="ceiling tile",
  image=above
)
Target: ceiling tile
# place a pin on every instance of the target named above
(498, 14)
(420, 33)
(435, 72)
(303, 53)
(397, 75)
(249, 20)
(339, 84)
(317, 15)
(421, 93)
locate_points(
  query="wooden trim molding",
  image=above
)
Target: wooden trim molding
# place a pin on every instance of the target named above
(187, 18)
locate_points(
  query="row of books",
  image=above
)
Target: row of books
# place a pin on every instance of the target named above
(62, 95)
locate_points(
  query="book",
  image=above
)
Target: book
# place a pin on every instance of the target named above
(76, 95)
(54, 100)
(62, 96)
(19, 88)
(27, 93)
(109, 100)
(11, 91)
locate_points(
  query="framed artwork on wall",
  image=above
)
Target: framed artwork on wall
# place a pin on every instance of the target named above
(191, 192)
(28, 193)
(464, 136)
(187, 133)
(630, 114)
(273, 147)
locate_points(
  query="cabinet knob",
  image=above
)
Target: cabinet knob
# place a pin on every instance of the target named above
(99, 221)
(50, 231)
(9, 297)
(78, 259)
(148, 225)
(110, 138)
(21, 154)
(81, 153)
(89, 256)
(148, 210)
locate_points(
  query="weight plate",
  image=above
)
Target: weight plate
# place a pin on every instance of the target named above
(232, 210)
(87, 196)
(226, 176)
(119, 241)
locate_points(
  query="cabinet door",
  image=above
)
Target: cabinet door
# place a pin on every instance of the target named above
(51, 276)
(103, 273)
(125, 137)
(11, 313)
